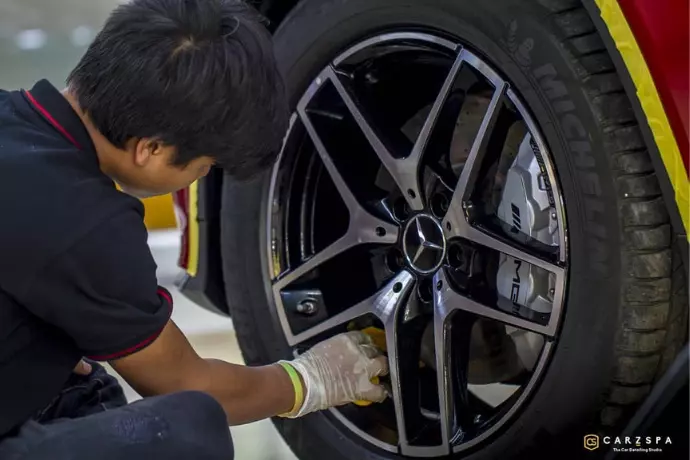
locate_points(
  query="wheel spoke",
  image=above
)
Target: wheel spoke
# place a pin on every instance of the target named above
(346, 194)
(506, 247)
(404, 173)
(436, 108)
(444, 378)
(339, 246)
(363, 226)
(452, 363)
(402, 342)
(455, 217)
(446, 301)
(384, 304)
(363, 229)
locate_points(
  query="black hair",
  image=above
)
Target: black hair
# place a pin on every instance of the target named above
(199, 75)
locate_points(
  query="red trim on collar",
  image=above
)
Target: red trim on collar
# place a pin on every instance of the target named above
(52, 120)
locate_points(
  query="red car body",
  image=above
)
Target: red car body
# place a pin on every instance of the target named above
(661, 32)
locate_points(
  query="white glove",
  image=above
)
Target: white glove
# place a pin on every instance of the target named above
(339, 371)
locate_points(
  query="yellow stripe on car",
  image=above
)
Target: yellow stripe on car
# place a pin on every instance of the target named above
(193, 230)
(624, 39)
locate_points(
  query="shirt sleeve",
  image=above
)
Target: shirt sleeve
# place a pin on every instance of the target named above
(102, 292)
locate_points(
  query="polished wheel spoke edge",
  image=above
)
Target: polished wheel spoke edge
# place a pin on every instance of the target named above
(443, 377)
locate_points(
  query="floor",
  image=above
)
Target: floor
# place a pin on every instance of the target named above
(212, 336)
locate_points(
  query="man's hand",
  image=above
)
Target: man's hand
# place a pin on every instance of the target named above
(82, 368)
(339, 371)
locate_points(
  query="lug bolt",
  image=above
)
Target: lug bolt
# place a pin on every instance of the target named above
(456, 256)
(401, 210)
(470, 211)
(307, 307)
(394, 260)
(439, 205)
(425, 290)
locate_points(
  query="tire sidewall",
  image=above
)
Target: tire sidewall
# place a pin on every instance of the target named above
(516, 39)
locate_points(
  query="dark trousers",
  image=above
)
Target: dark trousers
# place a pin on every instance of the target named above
(91, 420)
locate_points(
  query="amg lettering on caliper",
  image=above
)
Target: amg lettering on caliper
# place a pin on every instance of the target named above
(515, 289)
(517, 224)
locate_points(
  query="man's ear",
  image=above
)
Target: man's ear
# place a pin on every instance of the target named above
(144, 149)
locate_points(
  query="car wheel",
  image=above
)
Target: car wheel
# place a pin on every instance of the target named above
(465, 181)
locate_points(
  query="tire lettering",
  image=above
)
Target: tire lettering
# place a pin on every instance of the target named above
(522, 52)
(590, 183)
(597, 230)
(593, 209)
(563, 106)
(572, 126)
(547, 76)
(581, 150)
(599, 255)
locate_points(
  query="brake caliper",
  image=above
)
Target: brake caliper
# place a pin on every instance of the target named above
(528, 212)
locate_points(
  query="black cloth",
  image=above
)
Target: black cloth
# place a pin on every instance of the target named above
(90, 419)
(76, 275)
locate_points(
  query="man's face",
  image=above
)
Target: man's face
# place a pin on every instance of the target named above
(148, 170)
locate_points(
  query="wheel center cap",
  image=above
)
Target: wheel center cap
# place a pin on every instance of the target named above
(424, 244)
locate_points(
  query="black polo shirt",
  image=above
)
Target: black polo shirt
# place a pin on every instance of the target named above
(76, 274)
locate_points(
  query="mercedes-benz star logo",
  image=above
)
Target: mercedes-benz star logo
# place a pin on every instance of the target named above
(424, 244)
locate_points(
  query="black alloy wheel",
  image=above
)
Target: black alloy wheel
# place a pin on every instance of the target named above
(380, 220)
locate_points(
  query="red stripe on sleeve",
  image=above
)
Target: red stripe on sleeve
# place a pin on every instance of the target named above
(166, 295)
(147, 341)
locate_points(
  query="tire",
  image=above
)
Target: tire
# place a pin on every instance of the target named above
(626, 307)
